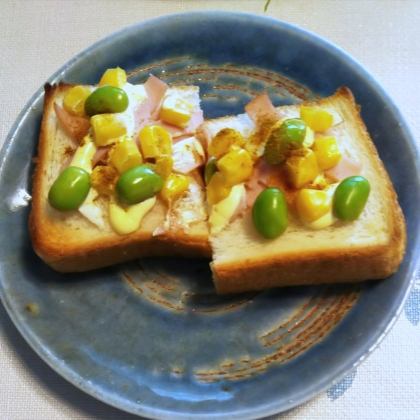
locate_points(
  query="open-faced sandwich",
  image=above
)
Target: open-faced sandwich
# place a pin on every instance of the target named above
(276, 196)
(117, 174)
(298, 195)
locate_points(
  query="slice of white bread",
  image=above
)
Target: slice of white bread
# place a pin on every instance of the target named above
(68, 241)
(371, 247)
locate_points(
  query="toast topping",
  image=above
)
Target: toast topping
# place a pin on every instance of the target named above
(127, 219)
(176, 111)
(74, 100)
(285, 137)
(105, 100)
(303, 160)
(175, 185)
(133, 127)
(114, 77)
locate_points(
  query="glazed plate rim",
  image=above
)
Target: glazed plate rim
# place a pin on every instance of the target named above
(113, 39)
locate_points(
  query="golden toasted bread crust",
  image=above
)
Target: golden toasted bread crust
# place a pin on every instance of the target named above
(317, 266)
(79, 248)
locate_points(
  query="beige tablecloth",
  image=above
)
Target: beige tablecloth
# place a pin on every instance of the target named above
(37, 37)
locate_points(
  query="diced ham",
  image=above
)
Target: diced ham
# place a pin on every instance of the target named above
(66, 163)
(100, 154)
(155, 89)
(264, 171)
(253, 193)
(173, 130)
(196, 120)
(187, 155)
(142, 117)
(262, 110)
(334, 131)
(75, 127)
(203, 136)
(258, 180)
(179, 137)
(345, 168)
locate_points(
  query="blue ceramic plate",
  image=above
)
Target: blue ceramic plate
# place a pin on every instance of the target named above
(151, 337)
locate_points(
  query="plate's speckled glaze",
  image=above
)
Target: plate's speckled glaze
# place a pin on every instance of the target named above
(151, 337)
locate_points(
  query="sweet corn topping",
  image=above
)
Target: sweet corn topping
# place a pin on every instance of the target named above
(224, 140)
(125, 154)
(175, 185)
(235, 166)
(107, 128)
(155, 141)
(74, 100)
(164, 165)
(316, 118)
(114, 77)
(176, 111)
(302, 170)
(217, 189)
(327, 152)
(104, 179)
(313, 204)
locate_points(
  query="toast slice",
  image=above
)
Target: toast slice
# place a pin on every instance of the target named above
(370, 247)
(70, 242)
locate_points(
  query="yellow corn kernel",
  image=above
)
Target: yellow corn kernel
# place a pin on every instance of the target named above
(107, 128)
(313, 204)
(316, 118)
(217, 189)
(327, 152)
(302, 169)
(164, 164)
(173, 187)
(125, 154)
(114, 77)
(74, 100)
(224, 140)
(104, 179)
(235, 166)
(176, 111)
(155, 141)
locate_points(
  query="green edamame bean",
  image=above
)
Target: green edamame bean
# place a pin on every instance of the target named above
(269, 213)
(210, 170)
(350, 198)
(289, 135)
(106, 99)
(138, 184)
(70, 189)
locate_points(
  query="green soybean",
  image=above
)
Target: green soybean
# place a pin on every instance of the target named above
(138, 184)
(282, 140)
(106, 99)
(350, 198)
(210, 170)
(269, 213)
(70, 189)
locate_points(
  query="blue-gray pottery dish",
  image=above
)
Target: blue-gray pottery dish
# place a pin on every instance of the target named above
(151, 337)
